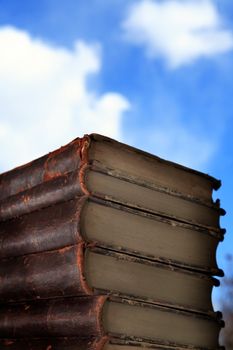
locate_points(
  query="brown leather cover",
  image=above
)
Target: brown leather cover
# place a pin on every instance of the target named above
(44, 275)
(56, 177)
(52, 228)
(52, 165)
(45, 194)
(61, 317)
(58, 343)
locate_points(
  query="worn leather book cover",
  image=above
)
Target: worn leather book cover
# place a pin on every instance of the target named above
(57, 317)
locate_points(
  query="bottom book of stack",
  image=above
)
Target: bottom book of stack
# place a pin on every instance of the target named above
(96, 322)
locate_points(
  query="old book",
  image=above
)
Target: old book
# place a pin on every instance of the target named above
(100, 167)
(111, 226)
(137, 235)
(58, 343)
(99, 316)
(76, 270)
(78, 343)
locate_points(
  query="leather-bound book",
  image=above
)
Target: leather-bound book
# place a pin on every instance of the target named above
(79, 270)
(101, 167)
(58, 343)
(106, 247)
(101, 316)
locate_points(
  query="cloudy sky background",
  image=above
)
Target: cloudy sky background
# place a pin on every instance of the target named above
(154, 74)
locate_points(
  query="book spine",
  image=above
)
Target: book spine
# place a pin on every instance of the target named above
(68, 317)
(54, 191)
(58, 343)
(50, 166)
(44, 275)
(52, 228)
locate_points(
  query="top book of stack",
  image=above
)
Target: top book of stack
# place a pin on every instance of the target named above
(112, 170)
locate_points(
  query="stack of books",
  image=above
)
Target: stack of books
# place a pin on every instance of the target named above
(104, 246)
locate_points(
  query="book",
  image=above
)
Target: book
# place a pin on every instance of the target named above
(78, 343)
(97, 166)
(95, 317)
(59, 343)
(111, 226)
(78, 270)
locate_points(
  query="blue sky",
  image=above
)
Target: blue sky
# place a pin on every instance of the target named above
(154, 74)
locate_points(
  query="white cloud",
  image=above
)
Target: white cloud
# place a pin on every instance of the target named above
(44, 97)
(179, 31)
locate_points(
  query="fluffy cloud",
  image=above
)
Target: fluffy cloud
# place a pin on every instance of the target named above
(179, 31)
(45, 100)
